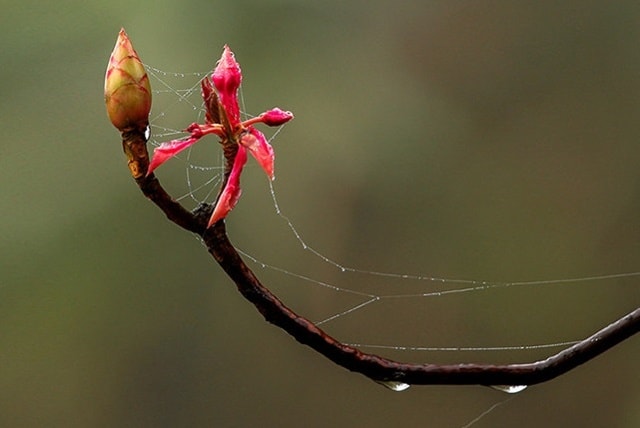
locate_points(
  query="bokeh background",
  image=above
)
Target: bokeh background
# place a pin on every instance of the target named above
(491, 140)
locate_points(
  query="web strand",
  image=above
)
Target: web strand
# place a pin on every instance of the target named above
(486, 412)
(477, 285)
(466, 348)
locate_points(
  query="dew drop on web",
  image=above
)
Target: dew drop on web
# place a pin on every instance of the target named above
(509, 389)
(394, 385)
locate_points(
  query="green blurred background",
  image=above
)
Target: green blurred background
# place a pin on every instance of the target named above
(487, 140)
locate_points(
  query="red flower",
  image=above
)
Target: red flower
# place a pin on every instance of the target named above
(220, 94)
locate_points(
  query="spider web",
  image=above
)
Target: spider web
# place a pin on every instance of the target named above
(394, 307)
(363, 296)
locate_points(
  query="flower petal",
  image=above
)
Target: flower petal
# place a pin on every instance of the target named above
(260, 149)
(166, 151)
(231, 192)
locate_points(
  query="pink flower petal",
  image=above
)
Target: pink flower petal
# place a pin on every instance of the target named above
(166, 151)
(231, 192)
(260, 149)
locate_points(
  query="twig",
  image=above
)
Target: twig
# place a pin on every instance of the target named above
(372, 366)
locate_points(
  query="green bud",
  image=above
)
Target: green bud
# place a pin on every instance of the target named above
(127, 92)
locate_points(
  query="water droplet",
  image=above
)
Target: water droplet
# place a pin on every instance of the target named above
(394, 385)
(509, 389)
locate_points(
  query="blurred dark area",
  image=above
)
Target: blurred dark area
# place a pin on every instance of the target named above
(489, 141)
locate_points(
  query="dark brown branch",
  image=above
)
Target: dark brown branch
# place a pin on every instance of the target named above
(372, 366)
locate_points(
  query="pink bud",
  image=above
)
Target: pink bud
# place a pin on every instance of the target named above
(227, 78)
(127, 92)
(276, 117)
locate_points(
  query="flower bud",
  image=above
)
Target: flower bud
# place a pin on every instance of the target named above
(127, 92)
(227, 78)
(276, 117)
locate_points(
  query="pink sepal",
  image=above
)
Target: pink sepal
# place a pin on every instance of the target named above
(260, 149)
(231, 192)
(166, 151)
